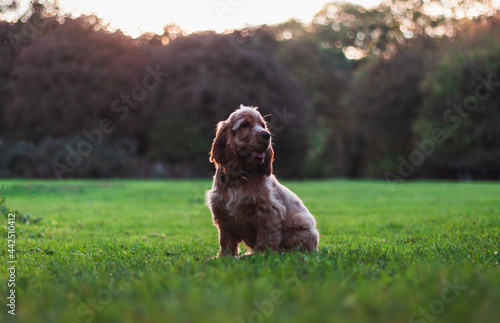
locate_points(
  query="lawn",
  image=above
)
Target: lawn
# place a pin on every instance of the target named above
(143, 251)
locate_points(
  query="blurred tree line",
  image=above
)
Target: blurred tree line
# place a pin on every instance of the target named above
(406, 89)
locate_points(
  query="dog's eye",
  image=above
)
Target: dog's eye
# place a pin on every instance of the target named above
(245, 125)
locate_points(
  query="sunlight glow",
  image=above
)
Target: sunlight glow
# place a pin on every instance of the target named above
(137, 17)
(353, 53)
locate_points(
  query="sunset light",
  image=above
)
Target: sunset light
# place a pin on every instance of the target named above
(135, 18)
(250, 161)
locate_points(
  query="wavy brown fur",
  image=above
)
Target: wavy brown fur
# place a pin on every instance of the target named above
(247, 202)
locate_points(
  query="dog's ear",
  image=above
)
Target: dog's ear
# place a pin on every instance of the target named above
(223, 149)
(266, 168)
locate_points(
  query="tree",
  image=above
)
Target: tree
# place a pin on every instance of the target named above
(462, 102)
(386, 98)
(69, 78)
(382, 30)
(324, 74)
(8, 5)
(209, 76)
(7, 54)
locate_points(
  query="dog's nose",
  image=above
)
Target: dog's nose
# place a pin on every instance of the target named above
(265, 135)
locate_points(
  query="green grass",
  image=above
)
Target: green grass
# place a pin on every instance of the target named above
(143, 251)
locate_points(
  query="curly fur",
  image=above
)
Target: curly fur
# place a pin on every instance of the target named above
(247, 202)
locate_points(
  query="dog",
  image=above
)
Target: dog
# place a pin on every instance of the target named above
(247, 202)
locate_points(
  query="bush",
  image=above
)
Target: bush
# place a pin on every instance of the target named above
(3, 208)
(17, 158)
(25, 159)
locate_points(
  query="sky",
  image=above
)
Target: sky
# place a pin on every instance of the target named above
(136, 17)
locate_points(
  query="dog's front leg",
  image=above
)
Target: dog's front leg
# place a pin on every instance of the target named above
(228, 243)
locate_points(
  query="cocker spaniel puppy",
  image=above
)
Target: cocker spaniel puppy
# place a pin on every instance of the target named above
(247, 202)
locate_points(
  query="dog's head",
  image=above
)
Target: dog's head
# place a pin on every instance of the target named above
(243, 141)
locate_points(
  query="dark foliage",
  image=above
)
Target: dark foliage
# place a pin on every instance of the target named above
(386, 97)
(69, 78)
(462, 99)
(55, 157)
(160, 96)
(325, 74)
(208, 77)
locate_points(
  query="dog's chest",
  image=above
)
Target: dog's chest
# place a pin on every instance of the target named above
(248, 205)
(242, 204)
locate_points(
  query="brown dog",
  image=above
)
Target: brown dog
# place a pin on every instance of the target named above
(247, 202)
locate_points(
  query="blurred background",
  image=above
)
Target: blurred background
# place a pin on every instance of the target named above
(391, 90)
